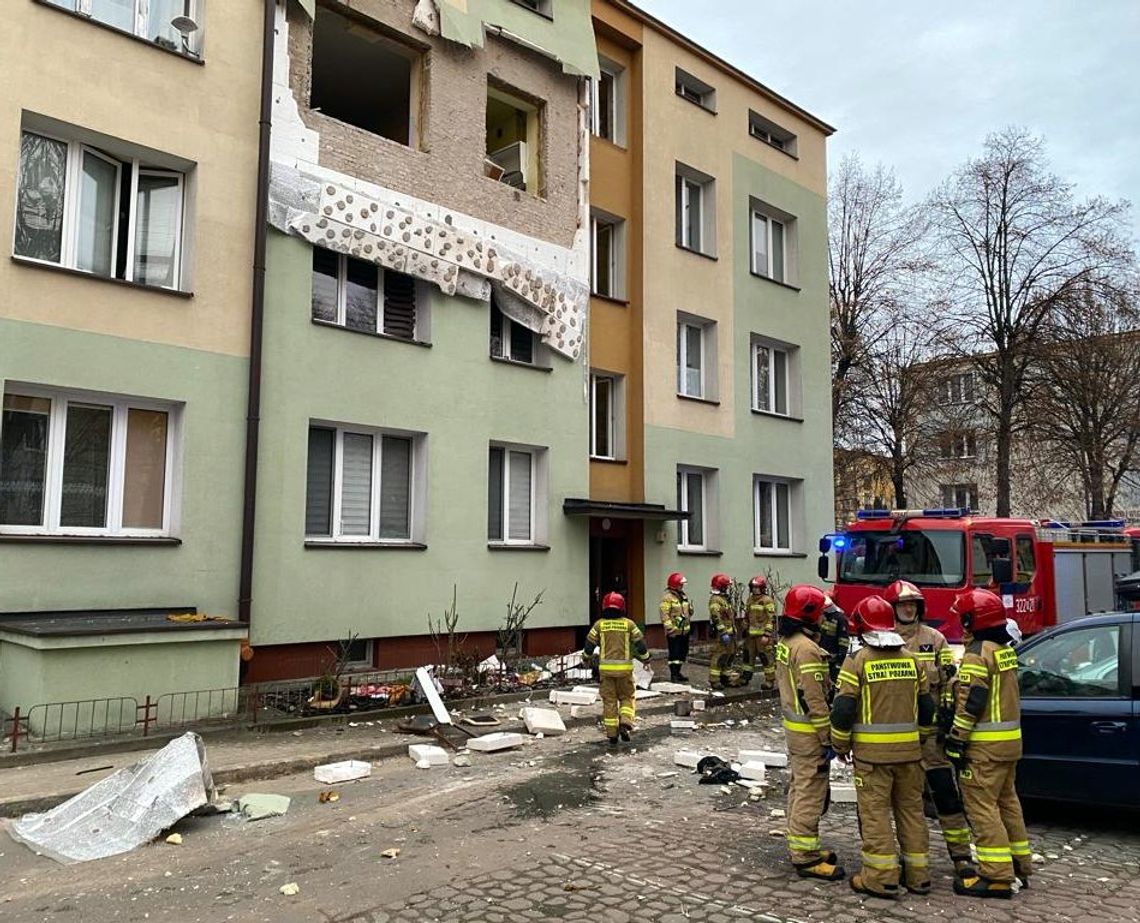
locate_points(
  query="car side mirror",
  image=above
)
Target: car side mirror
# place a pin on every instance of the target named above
(1002, 571)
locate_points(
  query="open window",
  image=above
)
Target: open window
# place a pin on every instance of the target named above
(607, 255)
(515, 342)
(770, 133)
(176, 25)
(364, 78)
(607, 102)
(513, 139)
(361, 296)
(695, 203)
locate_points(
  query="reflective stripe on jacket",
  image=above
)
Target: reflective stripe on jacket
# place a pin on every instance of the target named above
(721, 615)
(760, 613)
(618, 642)
(676, 613)
(988, 720)
(876, 711)
(801, 676)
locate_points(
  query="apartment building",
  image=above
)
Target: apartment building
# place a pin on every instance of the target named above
(424, 387)
(710, 413)
(128, 154)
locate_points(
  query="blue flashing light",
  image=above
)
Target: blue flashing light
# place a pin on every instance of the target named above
(952, 512)
(872, 514)
(839, 543)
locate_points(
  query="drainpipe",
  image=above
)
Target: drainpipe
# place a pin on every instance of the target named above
(257, 315)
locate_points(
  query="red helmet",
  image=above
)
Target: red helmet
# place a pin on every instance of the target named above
(720, 582)
(614, 601)
(978, 609)
(873, 613)
(902, 591)
(676, 581)
(804, 603)
(758, 583)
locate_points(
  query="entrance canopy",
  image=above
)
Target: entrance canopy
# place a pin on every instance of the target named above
(652, 511)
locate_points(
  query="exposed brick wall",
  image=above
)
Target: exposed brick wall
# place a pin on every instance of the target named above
(447, 167)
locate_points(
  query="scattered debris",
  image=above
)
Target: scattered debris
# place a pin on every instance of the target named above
(667, 775)
(290, 889)
(328, 797)
(779, 833)
(776, 812)
(671, 688)
(427, 688)
(842, 793)
(390, 853)
(698, 704)
(258, 807)
(645, 694)
(564, 697)
(715, 771)
(345, 771)
(771, 758)
(688, 758)
(586, 711)
(462, 760)
(682, 724)
(106, 820)
(546, 720)
(753, 770)
(500, 740)
(479, 721)
(175, 839)
(429, 754)
(642, 675)
(417, 724)
(83, 772)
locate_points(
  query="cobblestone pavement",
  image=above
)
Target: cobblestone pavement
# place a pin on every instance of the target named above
(562, 830)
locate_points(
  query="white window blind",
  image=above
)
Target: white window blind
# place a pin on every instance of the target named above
(519, 519)
(356, 485)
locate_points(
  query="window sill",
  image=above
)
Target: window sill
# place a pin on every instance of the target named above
(700, 552)
(68, 271)
(193, 59)
(701, 253)
(692, 102)
(366, 546)
(777, 416)
(776, 553)
(511, 546)
(698, 400)
(375, 334)
(775, 147)
(787, 285)
(603, 460)
(612, 299)
(522, 365)
(158, 541)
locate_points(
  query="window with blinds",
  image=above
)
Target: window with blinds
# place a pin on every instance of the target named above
(361, 296)
(359, 485)
(511, 482)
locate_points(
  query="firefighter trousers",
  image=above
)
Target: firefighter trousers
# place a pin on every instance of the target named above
(808, 789)
(678, 652)
(758, 656)
(883, 790)
(943, 788)
(1000, 837)
(720, 662)
(617, 702)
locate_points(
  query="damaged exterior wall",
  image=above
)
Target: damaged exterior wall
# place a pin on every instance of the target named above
(428, 210)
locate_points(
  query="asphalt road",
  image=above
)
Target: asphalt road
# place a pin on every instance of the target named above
(560, 829)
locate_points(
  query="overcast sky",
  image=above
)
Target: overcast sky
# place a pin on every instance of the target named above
(919, 85)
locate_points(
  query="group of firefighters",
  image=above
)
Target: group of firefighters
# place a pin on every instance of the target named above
(880, 689)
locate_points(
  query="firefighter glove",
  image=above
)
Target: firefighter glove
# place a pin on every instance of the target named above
(826, 755)
(725, 638)
(956, 754)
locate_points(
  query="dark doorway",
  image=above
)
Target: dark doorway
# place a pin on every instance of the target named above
(609, 567)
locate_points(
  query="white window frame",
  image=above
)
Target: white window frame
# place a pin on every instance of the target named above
(770, 485)
(970, 492)
(142, 21)
(764, 129)
(617, 255)
(683, 543)
(69, 232)
(533, 452)
(116, 469)
(611, 410)
(763, 224)
(342, 300)
(690, 186)
(694, 90)
(538, 356)
(960, 388)
(377, 435)
(614, 72)
(683, 356)
(772, 349)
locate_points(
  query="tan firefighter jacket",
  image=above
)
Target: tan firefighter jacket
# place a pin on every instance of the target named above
(760, 614)
(801, 676)
(883, 709)
(676, 613)
(618, 642)
(987, 711)
(931, 650)
(721, 615)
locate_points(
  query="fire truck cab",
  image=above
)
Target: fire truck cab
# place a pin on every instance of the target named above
(1045, 571)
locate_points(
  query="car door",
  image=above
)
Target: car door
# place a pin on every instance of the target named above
(1077, 711)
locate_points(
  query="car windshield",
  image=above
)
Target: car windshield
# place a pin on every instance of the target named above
(927, 558)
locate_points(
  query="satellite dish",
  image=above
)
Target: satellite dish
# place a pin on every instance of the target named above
(184, 24)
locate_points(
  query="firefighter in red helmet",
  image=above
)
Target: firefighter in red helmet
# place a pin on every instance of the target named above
(760, 633)
(802, 678)
(617, 641)
(934, 655)
(722, 619)
(984, 744)
(882, 712)
(676, 612)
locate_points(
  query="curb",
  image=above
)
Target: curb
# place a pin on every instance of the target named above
(272, 769)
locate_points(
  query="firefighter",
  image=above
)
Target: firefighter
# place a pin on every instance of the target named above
(617, 640)
(801, 676)
(759, 615)
(882, 712)
(834, 637)
(722, 618)
(984, 744)
(677, 619)
(931, 650)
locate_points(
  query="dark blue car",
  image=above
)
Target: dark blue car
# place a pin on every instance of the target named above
(1081, 730)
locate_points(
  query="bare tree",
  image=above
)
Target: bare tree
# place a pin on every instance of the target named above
(1084, 403)
(872, 262)
(1012, 243)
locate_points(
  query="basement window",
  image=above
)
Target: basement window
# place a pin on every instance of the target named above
(513, 126)
(362, 77)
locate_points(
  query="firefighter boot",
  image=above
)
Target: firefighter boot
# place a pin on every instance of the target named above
(675, 673)
(976, 886)
(623, 732)
(822, 869)
(889, 892)
(613, 742)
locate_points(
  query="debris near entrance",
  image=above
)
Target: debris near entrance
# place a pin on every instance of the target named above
(345, 771)
(125, 810)
(257, 806)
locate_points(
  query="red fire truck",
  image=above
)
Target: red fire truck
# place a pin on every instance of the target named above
(1045, 571)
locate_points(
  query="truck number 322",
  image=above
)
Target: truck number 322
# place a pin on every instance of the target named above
(1027, 604)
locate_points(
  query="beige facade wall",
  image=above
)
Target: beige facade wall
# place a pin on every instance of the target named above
(677, 130)
(111, 83)
(444, 164)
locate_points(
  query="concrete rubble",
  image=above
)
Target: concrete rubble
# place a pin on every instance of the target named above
(429, 754)
(544, 721)
(492, 743)
(346, 771)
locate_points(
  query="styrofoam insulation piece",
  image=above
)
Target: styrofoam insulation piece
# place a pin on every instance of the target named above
(565, 697)
(435, 756)
(646, 694)
(426, 685)
(773, 759)
(688, 758)
(758, 772)
(564, 662)
(594, 689)
(843, 794)
(345, 771)
(586, 711)
(670, 688)
(642, 675)
(500, 740)
(682, 724)
(543, 721)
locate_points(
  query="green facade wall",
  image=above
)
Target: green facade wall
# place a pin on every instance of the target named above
(462, 400)
(202, 571)
(762, 444)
